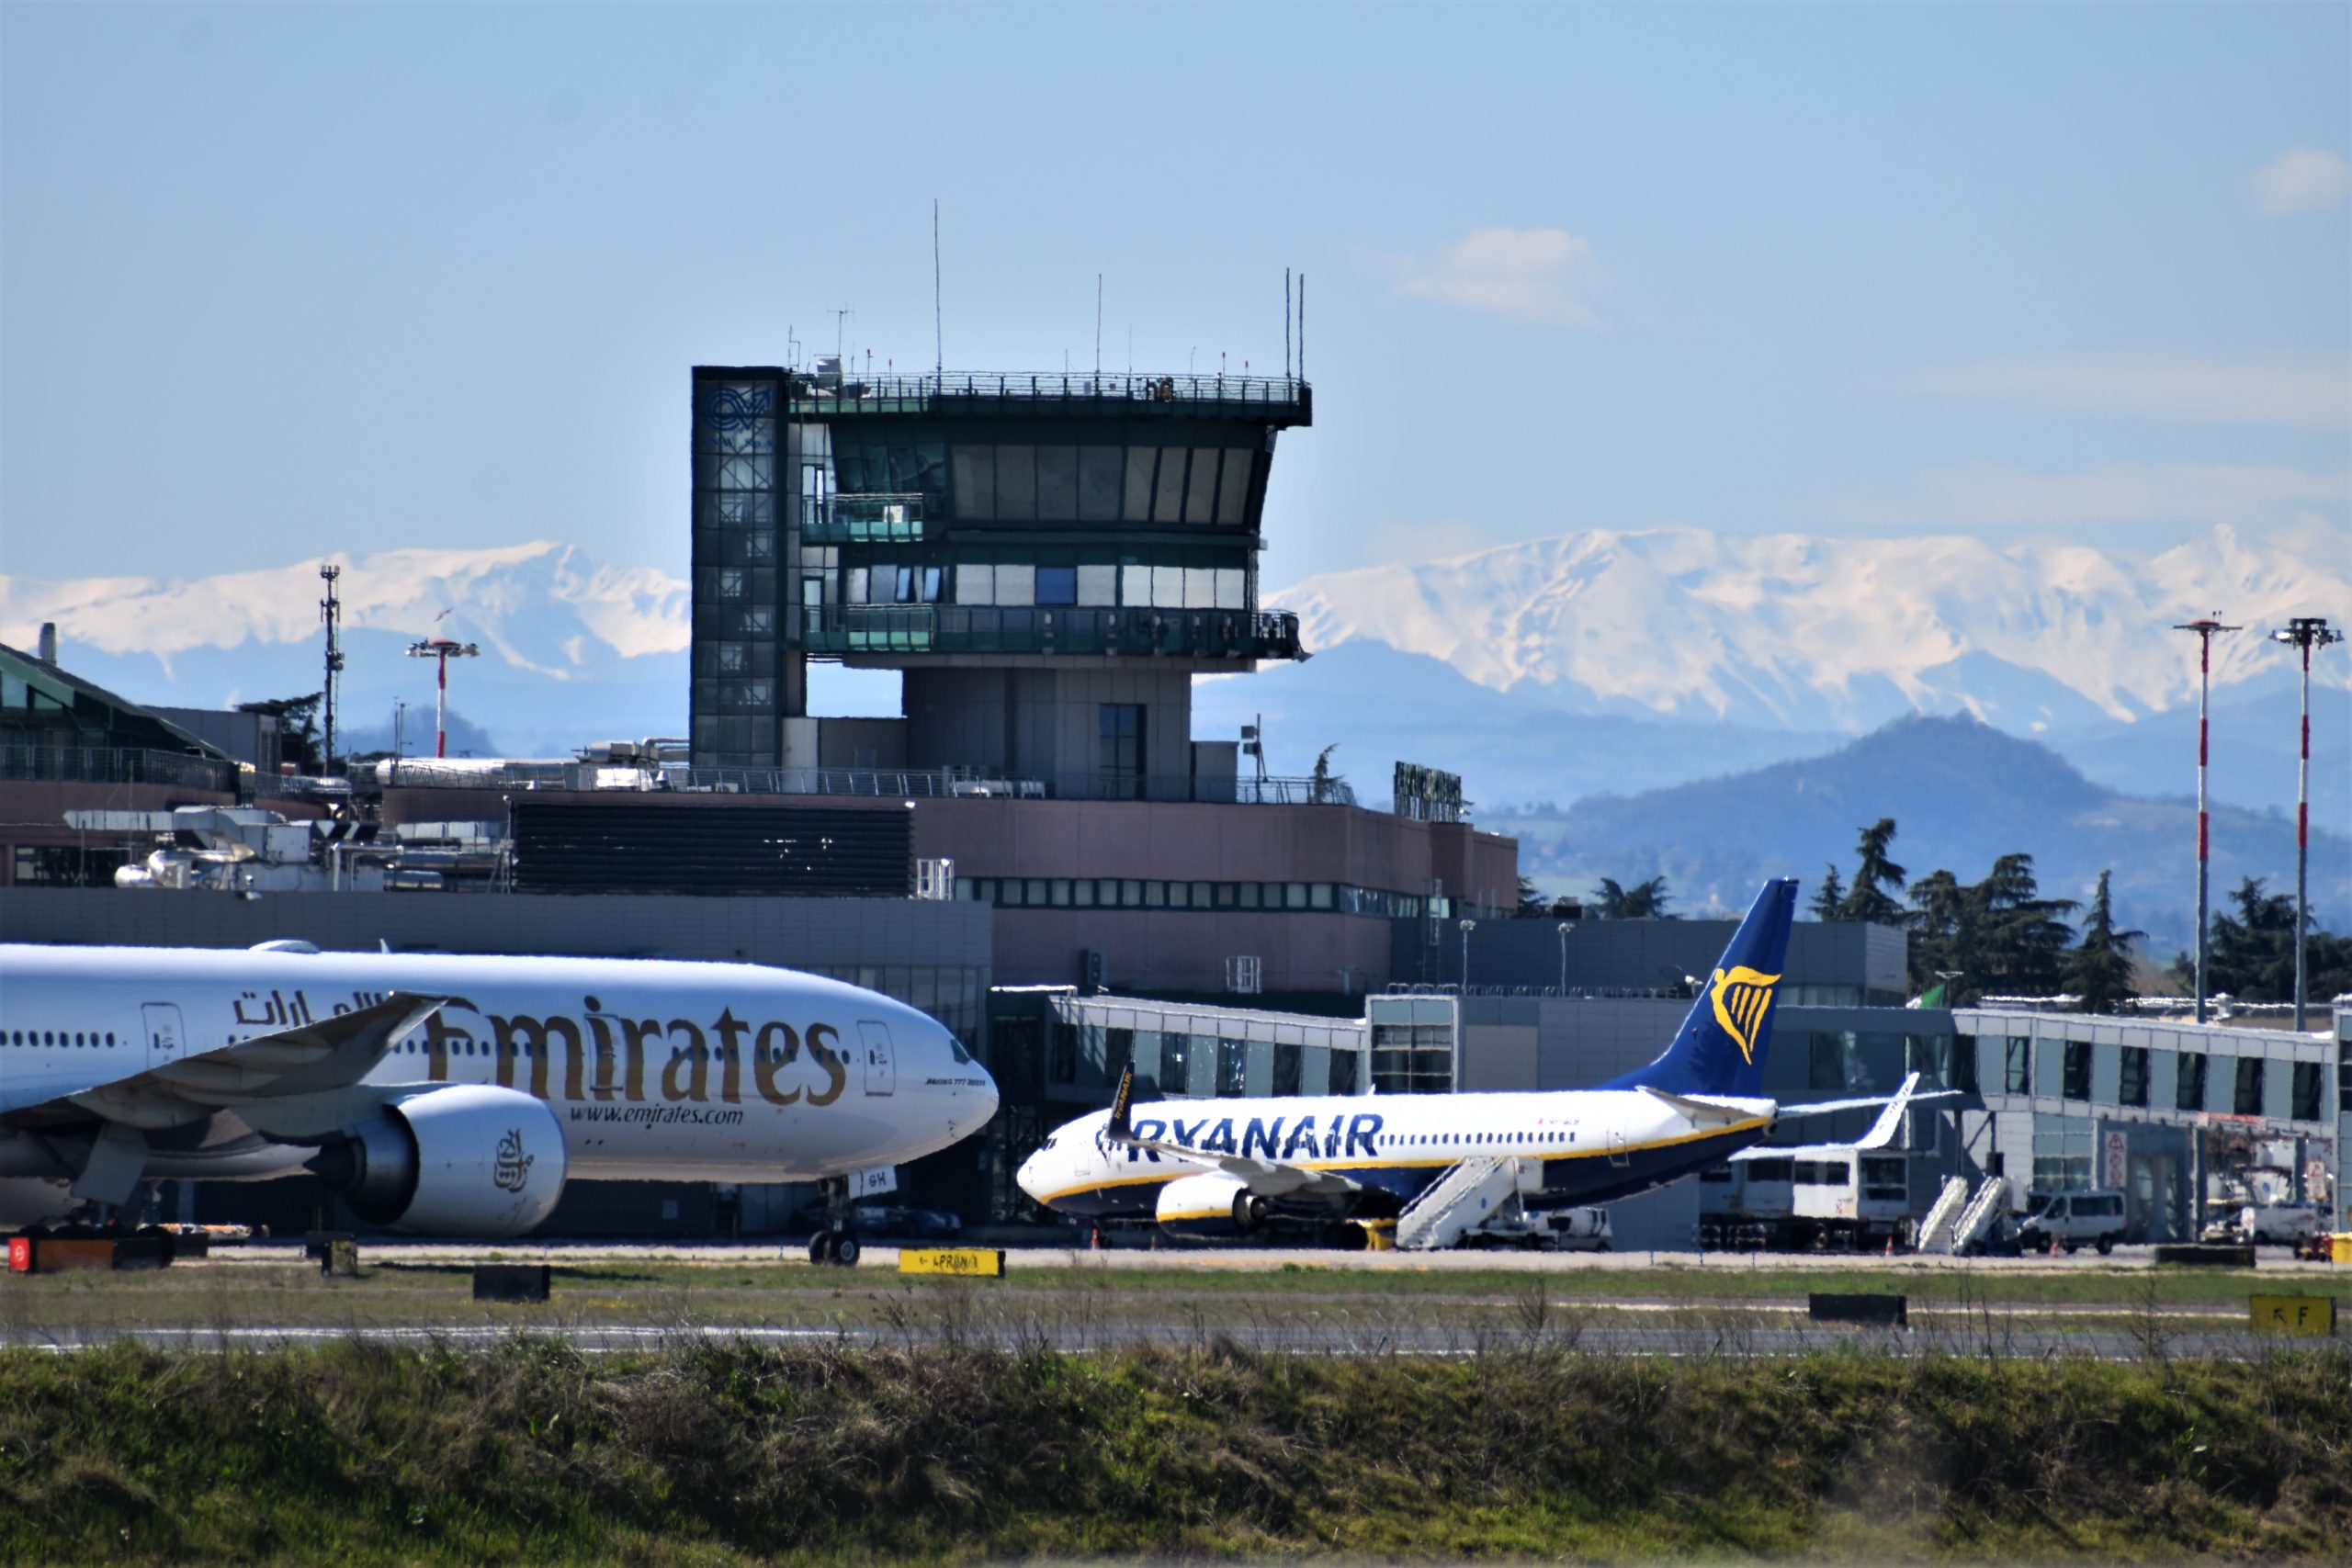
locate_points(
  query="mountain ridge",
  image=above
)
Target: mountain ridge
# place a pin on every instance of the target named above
(1961, 792)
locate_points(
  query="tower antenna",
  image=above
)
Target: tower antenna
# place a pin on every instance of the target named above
(330, 612)
(1098, 329)
(938, 322)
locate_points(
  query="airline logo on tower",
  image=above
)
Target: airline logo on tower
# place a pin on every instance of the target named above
(1740, 995)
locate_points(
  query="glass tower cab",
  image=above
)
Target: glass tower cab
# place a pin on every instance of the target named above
(1048, 559)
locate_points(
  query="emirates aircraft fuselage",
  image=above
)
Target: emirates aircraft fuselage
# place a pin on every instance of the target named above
(654, 1069)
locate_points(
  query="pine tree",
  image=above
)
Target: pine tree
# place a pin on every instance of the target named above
(1643, 902)
(2023, 938)
(1532, 901)
(1876, 879)
(1831, 893)
(2252, 957)
(1941, 927)
(2098, 971)
(1648, 900)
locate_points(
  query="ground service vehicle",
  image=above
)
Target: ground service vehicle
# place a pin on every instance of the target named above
(1818, 1200)
(2068, 1220)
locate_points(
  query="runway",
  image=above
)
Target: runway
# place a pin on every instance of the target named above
(613, 1297)
(882, 1257)
(1010, 1337)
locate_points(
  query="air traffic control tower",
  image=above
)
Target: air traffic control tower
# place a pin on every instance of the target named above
(1049, 559)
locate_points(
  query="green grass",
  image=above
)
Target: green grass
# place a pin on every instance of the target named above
(726, 1453)
(257, 1294)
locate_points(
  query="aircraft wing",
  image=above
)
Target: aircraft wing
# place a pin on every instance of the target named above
(1269, 1179)
(1869, 1102)
(1699, 1108)
(318, 1058)
(1881, 1130)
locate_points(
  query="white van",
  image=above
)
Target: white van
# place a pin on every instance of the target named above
(2069, 1219)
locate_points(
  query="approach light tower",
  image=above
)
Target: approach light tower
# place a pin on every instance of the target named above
(444, 650)
(2304, 632)
(2206, 630)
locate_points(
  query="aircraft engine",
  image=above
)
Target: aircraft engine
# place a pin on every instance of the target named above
(471, 1159)
(1209, 1207)
(30, 1200)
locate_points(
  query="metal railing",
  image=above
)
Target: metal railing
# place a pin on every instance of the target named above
(898, 393)
(112, 764)
(1293, 792)
(905, 783)
(878, 783)
(879, 519)
(957, 628)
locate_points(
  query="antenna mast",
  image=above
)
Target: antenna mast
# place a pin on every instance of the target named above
(330, 612)
(938, 322)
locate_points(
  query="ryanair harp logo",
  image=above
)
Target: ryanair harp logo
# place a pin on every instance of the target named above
(1740, 995)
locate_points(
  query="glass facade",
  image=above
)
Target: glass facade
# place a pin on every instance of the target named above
(2132, 1084)
(737, 658)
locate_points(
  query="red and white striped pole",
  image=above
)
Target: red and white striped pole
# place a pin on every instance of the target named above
(443, 650)
(2306, 632)
(2205, 630)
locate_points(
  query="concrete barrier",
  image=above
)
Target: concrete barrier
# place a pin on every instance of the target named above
(512, 1282)
(2206, 1254)
(1888, 1312)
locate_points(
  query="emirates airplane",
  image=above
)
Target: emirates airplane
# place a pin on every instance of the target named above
(1362, 1169)
(455, 1096)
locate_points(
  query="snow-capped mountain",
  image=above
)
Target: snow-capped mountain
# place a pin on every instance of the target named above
(572, 650)
(1791, 631)
(1594, 663)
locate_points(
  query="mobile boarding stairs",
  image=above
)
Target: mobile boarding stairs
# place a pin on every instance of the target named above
(1960, 1218)
(1465, 1197)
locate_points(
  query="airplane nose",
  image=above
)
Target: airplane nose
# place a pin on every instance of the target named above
(1026, 1177)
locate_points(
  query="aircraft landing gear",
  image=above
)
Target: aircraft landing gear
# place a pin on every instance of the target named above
(836, 1244)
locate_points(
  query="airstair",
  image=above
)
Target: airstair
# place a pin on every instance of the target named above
(1462, 1199)
(1935, 1231)
(1985, 1211)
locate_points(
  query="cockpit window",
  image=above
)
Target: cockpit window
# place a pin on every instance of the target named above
(955, 1048)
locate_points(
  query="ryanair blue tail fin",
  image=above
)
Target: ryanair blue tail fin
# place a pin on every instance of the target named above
(1721, 1045)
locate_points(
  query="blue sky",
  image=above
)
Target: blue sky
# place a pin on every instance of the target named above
(281, 280)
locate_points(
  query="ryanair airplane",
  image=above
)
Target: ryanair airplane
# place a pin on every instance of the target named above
(1217, 1169)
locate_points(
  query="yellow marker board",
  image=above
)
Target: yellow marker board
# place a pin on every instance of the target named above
(2314, 1315)
(971, 1262)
